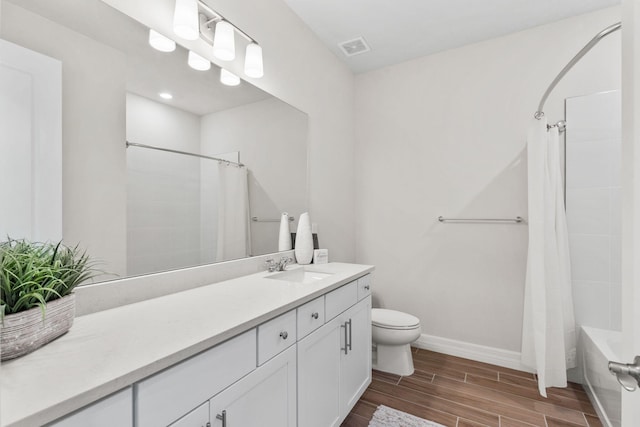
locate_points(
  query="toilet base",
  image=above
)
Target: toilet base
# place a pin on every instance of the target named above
(394, 359)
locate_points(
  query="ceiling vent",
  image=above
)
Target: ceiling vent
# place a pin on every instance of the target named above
(354, 47)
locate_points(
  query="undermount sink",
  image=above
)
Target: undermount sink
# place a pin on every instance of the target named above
(300, 275)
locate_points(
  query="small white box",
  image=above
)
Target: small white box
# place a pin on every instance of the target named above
(321, 256)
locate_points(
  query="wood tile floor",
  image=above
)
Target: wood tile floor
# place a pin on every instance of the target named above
(459, 392)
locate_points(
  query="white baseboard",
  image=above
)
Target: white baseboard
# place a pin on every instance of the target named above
(479, 353)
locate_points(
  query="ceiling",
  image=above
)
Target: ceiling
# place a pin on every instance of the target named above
(401, 30)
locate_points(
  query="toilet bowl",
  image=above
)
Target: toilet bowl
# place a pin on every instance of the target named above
(392, 332)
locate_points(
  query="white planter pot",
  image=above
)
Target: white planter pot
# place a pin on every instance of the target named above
(26, 331)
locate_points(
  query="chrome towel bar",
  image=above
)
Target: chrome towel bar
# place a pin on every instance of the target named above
(516, 220)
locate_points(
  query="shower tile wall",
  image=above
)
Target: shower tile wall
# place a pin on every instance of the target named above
(593, 142)
(163, 189)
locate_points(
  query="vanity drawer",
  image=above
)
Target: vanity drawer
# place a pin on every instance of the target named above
(339, 300)
(310, 316)
(115, 410)
(197, 417)
(276, 335)
(170, 394)
(364, 286)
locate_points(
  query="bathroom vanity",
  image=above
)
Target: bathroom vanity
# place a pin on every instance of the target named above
(265, 349)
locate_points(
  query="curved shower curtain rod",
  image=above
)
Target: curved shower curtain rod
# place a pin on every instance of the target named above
(610, 29)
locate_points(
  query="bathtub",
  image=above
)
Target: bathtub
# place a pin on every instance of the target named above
(597, 348)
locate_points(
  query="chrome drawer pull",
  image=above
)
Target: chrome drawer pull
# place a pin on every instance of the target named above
(346, 342)
(284, 335)
(222, 417)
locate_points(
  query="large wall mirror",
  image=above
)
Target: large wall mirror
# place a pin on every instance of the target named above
(138, 209)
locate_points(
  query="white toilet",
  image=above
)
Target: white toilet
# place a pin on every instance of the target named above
(392, 332)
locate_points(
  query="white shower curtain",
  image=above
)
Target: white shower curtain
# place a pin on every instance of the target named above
(234, 239)
(548, 332)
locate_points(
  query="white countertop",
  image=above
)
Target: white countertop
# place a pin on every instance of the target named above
(109, 350)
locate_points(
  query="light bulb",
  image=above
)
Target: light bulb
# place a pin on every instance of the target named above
(165, 95)
(253, 61)
(185, 19)
(224, 47)
(160, 42)
(228, 78)
(197, 62)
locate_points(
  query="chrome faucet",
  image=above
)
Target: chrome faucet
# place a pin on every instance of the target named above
(273, 265)
(284, 261)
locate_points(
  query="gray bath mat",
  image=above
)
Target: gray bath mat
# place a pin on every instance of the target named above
(389, 417)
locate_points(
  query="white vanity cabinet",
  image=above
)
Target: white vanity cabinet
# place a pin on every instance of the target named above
(313, 383)
(334, 362)
(306, 367)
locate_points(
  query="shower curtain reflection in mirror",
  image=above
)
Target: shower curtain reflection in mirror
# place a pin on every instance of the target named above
(233, 239)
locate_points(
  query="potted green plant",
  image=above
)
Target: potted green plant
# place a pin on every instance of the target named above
(37, 303)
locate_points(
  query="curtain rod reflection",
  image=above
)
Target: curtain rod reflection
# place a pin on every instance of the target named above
(256, 219)
(168, 150)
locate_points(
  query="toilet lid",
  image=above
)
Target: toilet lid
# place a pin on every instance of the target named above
(393, 319)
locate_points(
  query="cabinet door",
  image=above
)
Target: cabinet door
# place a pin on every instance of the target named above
(355, 365)
(264, 398)
(319, 376)
(199, 417)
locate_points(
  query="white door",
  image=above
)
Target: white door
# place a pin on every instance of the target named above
(630, 200)
(355, 370)
(30, 144)
(264, 398)
(319, 376)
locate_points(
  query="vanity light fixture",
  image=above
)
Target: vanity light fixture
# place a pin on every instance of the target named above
(197, 62)
(193, 19)
(219, 32)
(185, 19)
(224, 46)
(253, 61)
(228, 78)
(160, 42)
(165, 95)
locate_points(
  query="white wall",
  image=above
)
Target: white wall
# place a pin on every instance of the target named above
(445, 135)
(163, 189)
(594, 213)
(93, 123)
(271, 138)
(302, 72)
